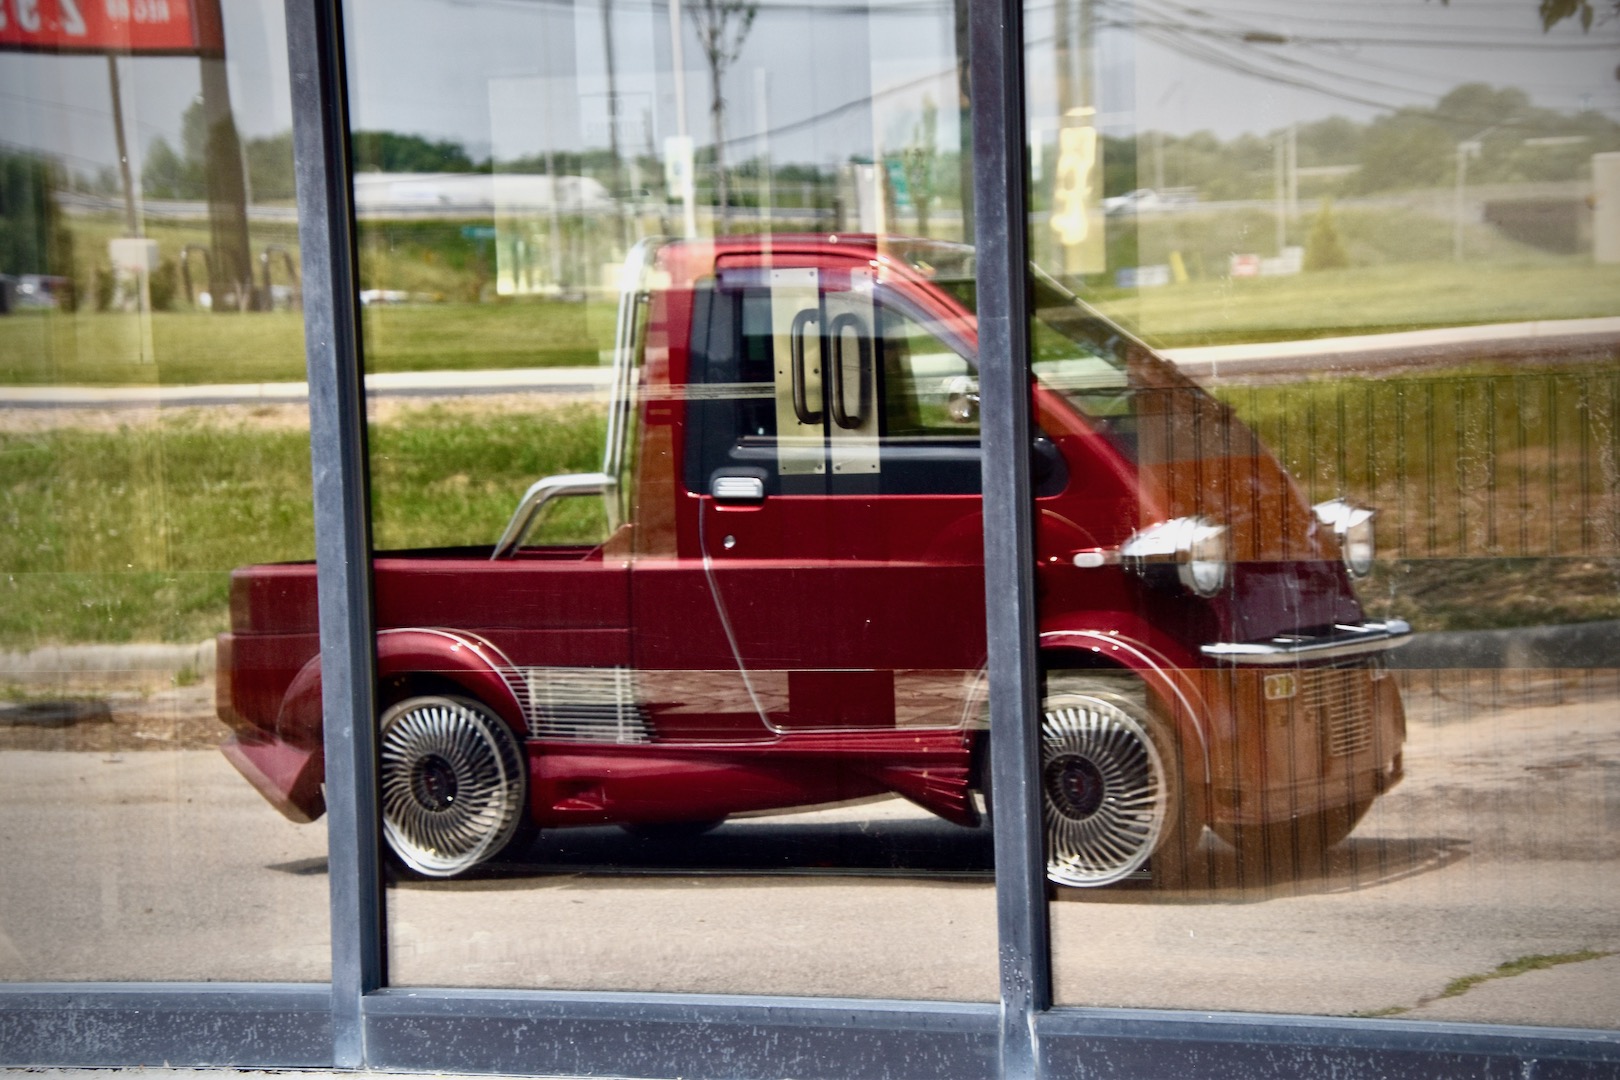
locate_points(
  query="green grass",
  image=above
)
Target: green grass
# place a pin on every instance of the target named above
(1459, 987)
(1517, 463)
(130, 534)
(450, 475)
(1367, 300)
(457, 337)
(107, 349)
(127, 534)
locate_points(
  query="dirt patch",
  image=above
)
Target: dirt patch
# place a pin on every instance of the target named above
(111, 719)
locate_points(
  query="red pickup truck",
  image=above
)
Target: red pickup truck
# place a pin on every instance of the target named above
(788, 606)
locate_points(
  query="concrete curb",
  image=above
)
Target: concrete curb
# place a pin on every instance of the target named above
(1577, 645)
(407, 384)
(131, 659)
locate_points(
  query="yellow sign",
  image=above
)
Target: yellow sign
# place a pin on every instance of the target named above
(1077, 196)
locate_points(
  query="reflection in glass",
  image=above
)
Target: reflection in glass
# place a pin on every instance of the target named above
(679, 548)
(1342, 246)
(152, 437)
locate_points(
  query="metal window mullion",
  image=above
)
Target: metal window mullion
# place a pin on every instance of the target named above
(996, 48)
(342, 520)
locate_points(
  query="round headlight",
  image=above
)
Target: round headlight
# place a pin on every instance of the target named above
(1352, 526)
(1194, 546)
(1204, 571)
(1359, 546)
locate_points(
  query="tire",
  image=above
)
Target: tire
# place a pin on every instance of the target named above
(1298, 847)
(453, 784)
(1111, 785)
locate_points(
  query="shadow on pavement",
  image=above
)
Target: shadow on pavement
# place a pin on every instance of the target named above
(921, 849)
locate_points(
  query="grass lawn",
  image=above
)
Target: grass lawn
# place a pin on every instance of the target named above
(1497, 498)
(103, 349)
(1367, 300)
(130, 533)
(190, 347)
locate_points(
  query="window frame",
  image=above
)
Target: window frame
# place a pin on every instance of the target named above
(358, 1022)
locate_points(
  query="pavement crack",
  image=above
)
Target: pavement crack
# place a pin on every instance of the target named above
(1459, 987)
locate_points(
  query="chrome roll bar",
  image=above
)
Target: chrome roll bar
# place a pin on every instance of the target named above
(539, 494)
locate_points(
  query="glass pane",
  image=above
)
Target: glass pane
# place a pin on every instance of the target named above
(1326, 334)
(676, 492)
(153, 436)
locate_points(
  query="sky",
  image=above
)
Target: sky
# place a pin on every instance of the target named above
(512, 75)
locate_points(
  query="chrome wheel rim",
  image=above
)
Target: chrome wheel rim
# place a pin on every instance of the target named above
(452, 784)
(1103, 791)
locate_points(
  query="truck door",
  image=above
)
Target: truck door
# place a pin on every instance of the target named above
(836, 495)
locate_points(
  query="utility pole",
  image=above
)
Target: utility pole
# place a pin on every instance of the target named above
(677, 61)
(132, 220)
(232, 262)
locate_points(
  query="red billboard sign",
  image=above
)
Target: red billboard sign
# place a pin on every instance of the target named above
(137, 27)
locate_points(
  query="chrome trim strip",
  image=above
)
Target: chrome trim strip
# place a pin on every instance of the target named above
(1349, 641)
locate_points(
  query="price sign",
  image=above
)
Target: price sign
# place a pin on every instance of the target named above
(136, 27)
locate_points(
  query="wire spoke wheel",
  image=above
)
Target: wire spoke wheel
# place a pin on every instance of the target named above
(1104, 790)
(453, 784)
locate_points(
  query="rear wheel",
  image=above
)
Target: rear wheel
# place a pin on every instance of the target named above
(1111, 785)
(454, 784)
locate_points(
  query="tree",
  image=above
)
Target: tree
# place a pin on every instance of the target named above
(183, 174)
(33, 238)
(1323, 248)
(918, 162)
(167, 175)
(722, 27)
(393, 151)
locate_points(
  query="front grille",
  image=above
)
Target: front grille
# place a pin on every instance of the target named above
(584, 704)
(1341, 701)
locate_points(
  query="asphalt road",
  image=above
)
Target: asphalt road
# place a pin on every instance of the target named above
(1503, 843)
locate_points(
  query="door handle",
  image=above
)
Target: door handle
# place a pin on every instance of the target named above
(863, 351)
(733, 488)
(801, 403)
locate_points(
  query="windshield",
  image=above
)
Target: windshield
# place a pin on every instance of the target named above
(1094, 365)
(1087, 360)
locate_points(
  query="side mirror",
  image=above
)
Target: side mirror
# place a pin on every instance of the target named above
(962, 405)
(1048, 468)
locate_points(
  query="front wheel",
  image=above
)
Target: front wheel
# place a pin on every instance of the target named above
(1296, 848)
(1110, 784)
(454, 784)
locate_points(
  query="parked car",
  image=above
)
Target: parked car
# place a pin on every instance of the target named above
(789, 607)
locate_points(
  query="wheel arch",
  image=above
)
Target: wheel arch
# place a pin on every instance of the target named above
(1080, 648)
(410, 661)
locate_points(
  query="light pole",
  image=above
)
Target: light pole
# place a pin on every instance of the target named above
(1466, 149)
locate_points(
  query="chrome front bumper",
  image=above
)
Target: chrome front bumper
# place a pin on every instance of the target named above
(1343, 642)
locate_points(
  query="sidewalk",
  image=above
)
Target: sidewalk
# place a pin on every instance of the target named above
(561, 380)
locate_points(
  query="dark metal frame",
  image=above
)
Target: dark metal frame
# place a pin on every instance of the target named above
(358, 1022)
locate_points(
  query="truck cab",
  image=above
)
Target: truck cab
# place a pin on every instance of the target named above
(788, 608)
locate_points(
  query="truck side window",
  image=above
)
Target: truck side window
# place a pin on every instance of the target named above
(928, 446)
(730, 401)
(924, 446)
